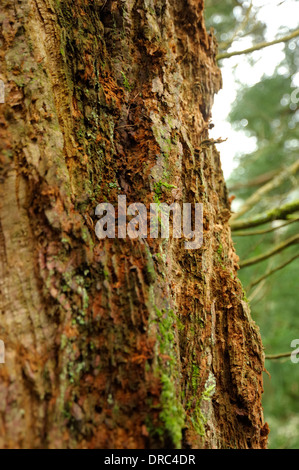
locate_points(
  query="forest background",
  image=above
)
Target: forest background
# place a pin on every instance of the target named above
(257, 111)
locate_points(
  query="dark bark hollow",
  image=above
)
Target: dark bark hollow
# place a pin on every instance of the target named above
(116, 343)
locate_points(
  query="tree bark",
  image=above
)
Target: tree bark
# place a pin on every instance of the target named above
(117, 343)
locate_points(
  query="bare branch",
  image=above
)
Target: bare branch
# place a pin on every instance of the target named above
(278, 356)
(261, 179)
(273, 184)
(262, 232)
(272, 271)
(277, 249)
(262, 45)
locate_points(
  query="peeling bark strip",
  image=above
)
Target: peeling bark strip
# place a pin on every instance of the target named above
(116, 343)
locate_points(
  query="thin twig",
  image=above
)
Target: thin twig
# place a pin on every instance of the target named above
(261, 179)
(277, 249)
(256, 291)
(269, 273)
(262, 232)
(278, 356)
(239, 29)
(266, 188)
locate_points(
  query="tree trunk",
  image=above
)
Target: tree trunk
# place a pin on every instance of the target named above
(117, 343)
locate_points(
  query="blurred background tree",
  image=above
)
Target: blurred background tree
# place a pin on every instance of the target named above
(264, 186)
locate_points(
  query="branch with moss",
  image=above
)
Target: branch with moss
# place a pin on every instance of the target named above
(257, 47)
(266, 188)
(279, 213)
(277, 249)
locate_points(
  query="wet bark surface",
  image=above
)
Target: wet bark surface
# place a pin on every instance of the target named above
(117, 343)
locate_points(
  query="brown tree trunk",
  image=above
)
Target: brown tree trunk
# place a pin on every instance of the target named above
(116, 343)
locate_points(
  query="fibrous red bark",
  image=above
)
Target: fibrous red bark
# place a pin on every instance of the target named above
(117, 343)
